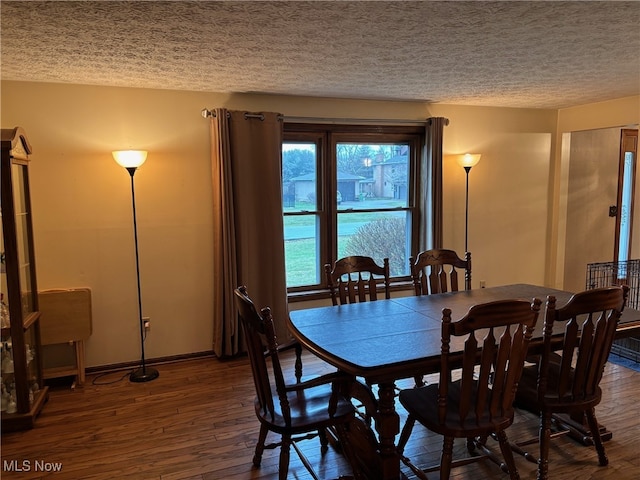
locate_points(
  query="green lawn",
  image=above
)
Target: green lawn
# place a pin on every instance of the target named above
(301, 261)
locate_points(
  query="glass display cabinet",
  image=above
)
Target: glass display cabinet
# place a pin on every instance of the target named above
(23, 394)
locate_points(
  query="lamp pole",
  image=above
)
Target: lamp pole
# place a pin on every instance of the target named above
(144, 373)
(467, 169)
(467, 161)
(131, 160)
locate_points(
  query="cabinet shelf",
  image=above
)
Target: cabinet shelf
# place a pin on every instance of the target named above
(30, 319)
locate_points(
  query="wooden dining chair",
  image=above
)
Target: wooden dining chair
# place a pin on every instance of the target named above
(357, 279)
(436, 271)
(296, 411)
(566, 380)
(474, 396)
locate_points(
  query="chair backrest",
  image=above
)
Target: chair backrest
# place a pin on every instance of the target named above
(589, 320)
(494, 338)
(357, 279)
(435, 271)
(260, 334)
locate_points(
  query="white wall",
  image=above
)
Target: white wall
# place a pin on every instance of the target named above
(82, 209)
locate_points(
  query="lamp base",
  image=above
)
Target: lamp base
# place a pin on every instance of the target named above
(144, 374)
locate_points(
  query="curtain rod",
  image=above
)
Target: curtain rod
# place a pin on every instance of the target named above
(377, 121)
(210, 113)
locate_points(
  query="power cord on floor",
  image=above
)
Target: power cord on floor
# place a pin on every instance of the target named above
(98, 377)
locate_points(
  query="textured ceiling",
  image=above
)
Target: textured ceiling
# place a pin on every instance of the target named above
(507, 54)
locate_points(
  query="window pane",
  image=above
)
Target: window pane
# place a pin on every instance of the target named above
(372, 172)
(299, 175)
(377, 235)
(301, 250)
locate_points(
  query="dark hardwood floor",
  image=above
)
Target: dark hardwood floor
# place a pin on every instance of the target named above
(196, 422)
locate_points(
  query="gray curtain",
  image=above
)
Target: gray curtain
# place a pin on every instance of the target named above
(431, 184)
(248, 242)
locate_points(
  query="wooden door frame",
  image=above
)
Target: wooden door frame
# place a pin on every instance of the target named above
(628, 142)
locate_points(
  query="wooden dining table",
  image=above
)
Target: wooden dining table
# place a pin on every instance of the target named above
(388, 340)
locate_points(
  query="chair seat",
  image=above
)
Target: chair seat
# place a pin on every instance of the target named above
(527, 394)
(308, 410)
(423, 404)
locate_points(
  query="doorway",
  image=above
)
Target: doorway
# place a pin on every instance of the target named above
(593, 187)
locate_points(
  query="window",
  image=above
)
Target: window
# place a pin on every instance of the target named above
(348, 190)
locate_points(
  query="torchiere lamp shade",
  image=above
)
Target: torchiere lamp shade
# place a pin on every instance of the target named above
(469, 159)
(130, 158)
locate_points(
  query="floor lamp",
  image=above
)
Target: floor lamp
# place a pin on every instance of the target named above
(467, 161)
(131, 160)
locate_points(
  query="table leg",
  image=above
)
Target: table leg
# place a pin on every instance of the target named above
(388, 426)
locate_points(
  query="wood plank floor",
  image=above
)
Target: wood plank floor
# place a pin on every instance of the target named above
(196, 422)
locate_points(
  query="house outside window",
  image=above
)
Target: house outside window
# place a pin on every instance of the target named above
(349, 190)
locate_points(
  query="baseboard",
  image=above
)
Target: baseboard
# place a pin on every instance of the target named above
(149, 361)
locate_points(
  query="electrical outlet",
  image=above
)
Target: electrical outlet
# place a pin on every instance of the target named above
(483, 283)
(146, 321)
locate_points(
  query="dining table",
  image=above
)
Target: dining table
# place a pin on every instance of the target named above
(387, 340)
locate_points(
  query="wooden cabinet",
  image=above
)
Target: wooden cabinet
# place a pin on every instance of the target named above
(23, 392)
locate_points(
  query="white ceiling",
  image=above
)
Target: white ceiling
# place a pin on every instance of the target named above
(507, 54)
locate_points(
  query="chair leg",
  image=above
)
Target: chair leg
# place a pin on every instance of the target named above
(285, 453)
(262, 437)
(324, 440)
(446, 458)
(298, 363)
(544, 439)
(507, 454)
(406, 433)
(597, 440)
(471, 444)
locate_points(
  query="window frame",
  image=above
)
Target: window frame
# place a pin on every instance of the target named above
(326, 137)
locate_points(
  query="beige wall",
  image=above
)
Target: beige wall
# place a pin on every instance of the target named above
(508, 190)
(620, 113)
(615, 113)
(82, 209)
